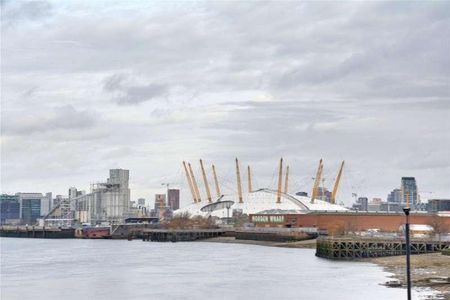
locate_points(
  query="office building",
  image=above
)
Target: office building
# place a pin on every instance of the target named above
(436, 205)
(9, 209)
(141, 202)
(376, 201)
(391, 207)
(33, 206)
(395, 196)
(361, 204)
(174, 199)
(323, 194)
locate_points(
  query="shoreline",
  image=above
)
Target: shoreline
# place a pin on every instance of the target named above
(309, 244)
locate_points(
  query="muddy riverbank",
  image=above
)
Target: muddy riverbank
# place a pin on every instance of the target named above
(428, 270)
(231, 240)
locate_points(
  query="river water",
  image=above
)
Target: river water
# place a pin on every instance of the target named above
(110, 269)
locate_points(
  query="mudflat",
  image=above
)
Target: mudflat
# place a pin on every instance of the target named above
(428, 270)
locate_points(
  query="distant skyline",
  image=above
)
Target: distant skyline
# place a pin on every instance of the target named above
(88, 86)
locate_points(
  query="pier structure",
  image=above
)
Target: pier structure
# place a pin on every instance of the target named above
(36, 232)
(349, 248)
(180, 235)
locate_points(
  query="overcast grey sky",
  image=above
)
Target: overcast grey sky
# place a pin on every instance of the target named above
(142, 85)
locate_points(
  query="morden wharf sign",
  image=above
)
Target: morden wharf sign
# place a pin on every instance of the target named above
(268, 219)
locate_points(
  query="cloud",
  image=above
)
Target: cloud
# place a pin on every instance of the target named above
(367, 82)
(60, 118)
(14, 12)
(132, 94)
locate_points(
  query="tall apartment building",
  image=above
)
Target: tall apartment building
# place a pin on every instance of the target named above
(409, 191)
(174, 199)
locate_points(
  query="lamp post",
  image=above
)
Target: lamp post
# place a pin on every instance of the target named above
(408, 253)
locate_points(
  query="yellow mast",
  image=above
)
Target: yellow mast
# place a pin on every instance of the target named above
(238, 176)
(194, 183)
(216, 182)
(189, 180)
(286, 182)
(205, 179)
(336, 184)
(407, 200)
(249, 179)
(280, 180)
(317, 181)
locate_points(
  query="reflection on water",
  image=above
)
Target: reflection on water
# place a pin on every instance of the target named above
(107, 269)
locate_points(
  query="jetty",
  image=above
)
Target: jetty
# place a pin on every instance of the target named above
(37, 232)
(351, 248)
(180, 235)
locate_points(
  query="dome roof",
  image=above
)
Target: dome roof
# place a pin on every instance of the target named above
(259, 201)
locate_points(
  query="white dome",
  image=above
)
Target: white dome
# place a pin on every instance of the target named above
(260, 201)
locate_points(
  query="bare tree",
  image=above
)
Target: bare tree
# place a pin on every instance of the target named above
(439, 226)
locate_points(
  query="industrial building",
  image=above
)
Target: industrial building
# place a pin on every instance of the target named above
(62, 213)
(107, 201)
(349, 221)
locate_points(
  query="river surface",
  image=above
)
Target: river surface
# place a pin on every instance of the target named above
(109, 269)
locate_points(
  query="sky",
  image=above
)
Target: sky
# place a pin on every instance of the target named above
(87, 86)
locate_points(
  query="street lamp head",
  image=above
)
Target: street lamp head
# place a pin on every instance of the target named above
(406, 210)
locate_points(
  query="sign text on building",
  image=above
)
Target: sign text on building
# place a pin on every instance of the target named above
(268, 219)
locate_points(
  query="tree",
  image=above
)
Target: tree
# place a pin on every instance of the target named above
(439, 226)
